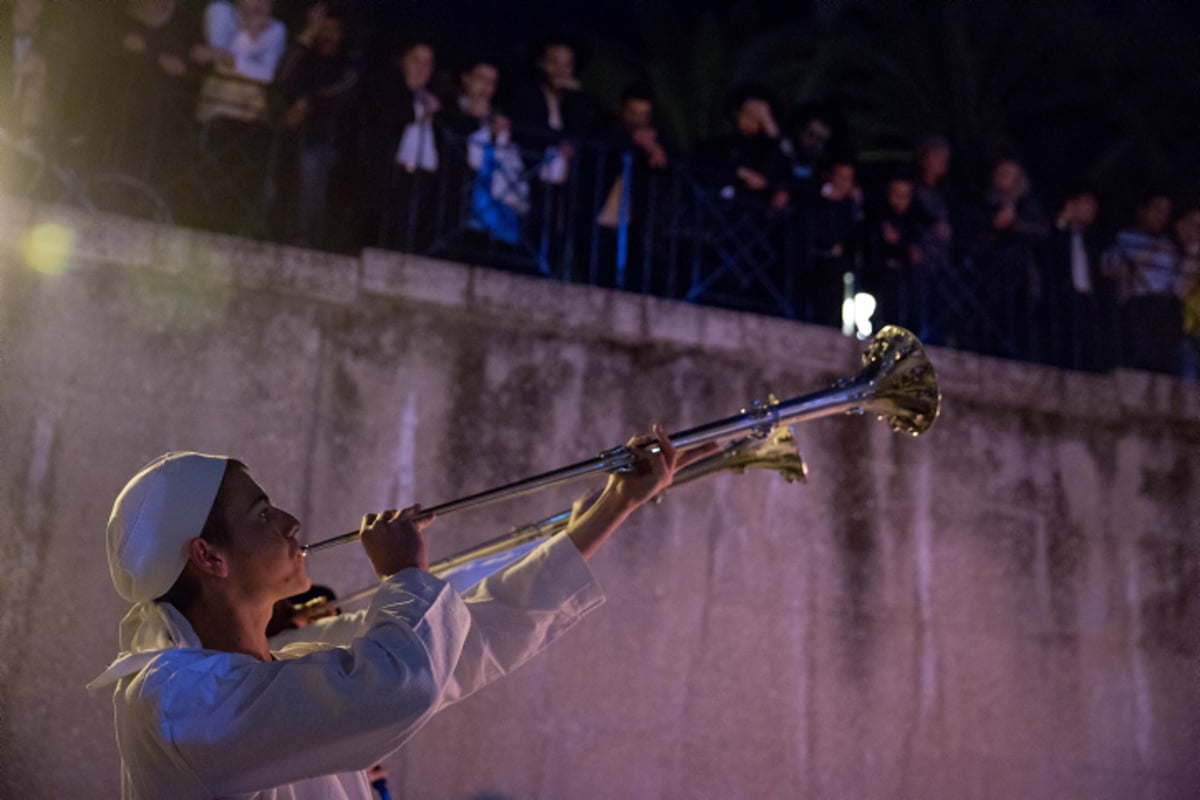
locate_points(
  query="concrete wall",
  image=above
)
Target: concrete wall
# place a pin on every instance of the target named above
(1006, 607)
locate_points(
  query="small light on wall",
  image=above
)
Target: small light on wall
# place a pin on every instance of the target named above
(864, 309)
(857, 310)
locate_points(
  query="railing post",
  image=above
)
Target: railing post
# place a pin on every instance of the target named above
(598, 194)
(623, 218)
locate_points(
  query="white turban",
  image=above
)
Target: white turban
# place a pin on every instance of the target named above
(162, 508)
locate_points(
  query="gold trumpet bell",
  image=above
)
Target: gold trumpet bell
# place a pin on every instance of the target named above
(903, 384)
(778, 452)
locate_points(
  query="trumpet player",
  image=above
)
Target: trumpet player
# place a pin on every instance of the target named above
(204, 708)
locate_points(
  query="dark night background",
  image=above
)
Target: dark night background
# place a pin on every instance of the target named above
(1103, 93)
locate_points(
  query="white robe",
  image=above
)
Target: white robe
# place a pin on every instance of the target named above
(196, 723)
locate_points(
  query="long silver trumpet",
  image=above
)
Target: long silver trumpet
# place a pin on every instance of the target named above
(778, 452)
(897, 384)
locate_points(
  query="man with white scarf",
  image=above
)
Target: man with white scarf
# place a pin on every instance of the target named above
(205, 709)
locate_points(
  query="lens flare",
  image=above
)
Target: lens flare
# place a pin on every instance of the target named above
(48, 248)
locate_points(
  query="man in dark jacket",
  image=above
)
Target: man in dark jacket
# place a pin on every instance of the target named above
(399, 158)
(1077, 299)
(320, 81)
(556, 106)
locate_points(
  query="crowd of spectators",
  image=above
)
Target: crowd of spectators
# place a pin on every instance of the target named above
(323, 135)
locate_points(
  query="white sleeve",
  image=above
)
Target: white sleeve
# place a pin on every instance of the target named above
(477, 144)
(516, 613)
(220, 24)
(259, 59)
(236, 724)
(340, 629)
(241, 725)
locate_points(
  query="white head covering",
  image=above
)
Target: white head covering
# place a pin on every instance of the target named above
(162, 508)
(158, 512)
(146, 631)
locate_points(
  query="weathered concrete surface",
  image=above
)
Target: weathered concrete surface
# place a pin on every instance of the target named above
(1007, 607)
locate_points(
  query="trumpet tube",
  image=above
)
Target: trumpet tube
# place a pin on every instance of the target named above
(897, 383)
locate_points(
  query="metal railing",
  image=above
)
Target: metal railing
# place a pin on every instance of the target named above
(164, 149)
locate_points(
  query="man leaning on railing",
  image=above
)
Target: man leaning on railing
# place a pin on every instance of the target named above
(319, 80)
(243, 46)
(1144, 262)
